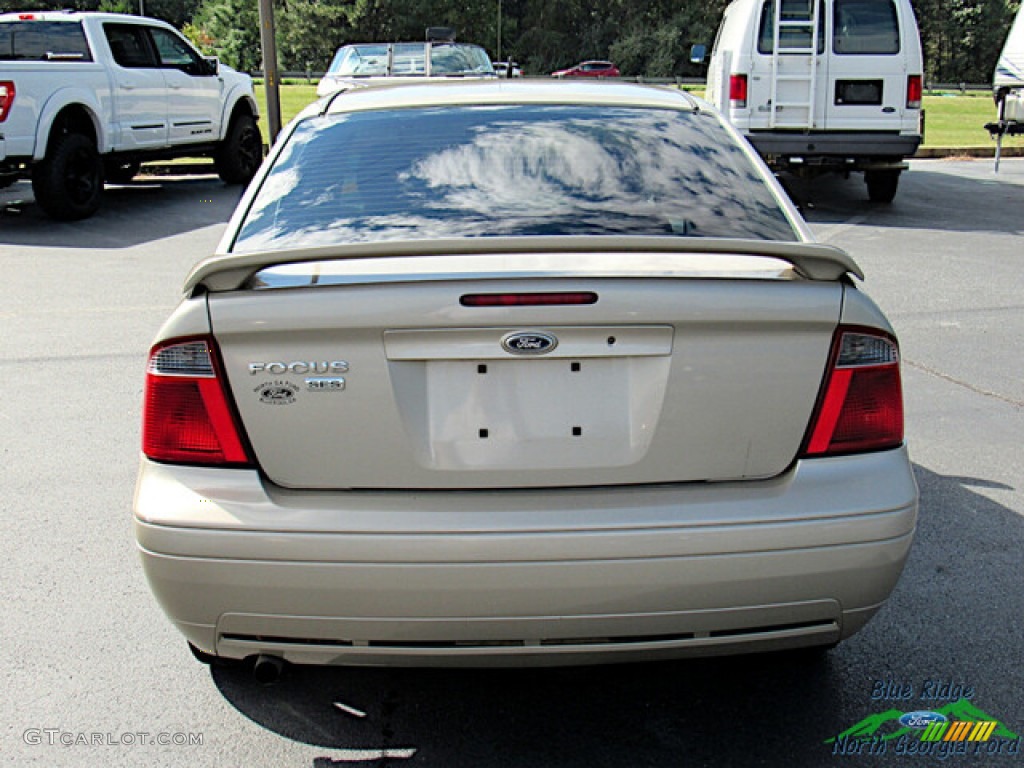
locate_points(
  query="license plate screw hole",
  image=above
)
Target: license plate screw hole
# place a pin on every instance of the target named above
(575, 367)
(481, 368)
(577, 431)
(611, 341)
(483, 434)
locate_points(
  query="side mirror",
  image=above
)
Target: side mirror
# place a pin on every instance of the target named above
(213, 64)
(698, 53)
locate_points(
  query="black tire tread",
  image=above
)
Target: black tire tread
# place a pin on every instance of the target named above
(239, 156)
(51, 183)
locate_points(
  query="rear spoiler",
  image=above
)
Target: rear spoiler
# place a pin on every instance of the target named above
(230, 272)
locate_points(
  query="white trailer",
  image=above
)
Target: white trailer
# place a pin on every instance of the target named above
(1008, 87)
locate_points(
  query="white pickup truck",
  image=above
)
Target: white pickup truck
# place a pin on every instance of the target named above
(86, 97)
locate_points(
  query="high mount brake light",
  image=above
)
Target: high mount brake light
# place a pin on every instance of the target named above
(527, 299)
(861, 406)
(187, 417)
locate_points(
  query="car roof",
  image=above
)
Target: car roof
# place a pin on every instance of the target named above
(498, 92)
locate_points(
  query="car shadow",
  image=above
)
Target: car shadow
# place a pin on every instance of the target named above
(945, 622)
(147, 209)
(985, 201)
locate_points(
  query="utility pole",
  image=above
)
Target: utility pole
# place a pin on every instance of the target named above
(271, 84)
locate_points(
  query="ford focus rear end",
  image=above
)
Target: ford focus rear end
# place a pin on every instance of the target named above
(520, 373)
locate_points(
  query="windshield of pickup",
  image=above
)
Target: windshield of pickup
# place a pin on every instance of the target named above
(510, 170)
(26, 40)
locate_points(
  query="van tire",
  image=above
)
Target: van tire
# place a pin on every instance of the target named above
(239, 156)
(69, 180)
(882, 185)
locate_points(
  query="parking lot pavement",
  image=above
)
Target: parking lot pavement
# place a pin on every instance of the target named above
(95, 674)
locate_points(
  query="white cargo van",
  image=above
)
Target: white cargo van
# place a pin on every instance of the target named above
(823, 85)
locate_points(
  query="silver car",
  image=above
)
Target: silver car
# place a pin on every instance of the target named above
(520, 372)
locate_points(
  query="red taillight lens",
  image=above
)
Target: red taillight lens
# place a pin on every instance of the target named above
(738, 91)
(186, 416)
(862, 405)
(915, 90)
(7, 92)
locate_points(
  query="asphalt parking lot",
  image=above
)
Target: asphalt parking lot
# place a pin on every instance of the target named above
(97, 677)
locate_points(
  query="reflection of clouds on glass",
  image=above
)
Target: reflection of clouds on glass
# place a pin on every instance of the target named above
(529, 170)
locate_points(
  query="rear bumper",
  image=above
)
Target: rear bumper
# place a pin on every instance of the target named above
(864, 149)
(525, 577)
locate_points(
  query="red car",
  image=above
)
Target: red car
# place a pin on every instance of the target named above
(589, 69)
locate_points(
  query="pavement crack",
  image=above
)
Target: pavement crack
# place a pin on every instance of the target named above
(966, 385)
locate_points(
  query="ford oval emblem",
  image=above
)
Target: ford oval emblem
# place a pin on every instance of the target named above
(529, 343)
(921, 719)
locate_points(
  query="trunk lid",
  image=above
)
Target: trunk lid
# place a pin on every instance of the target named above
(375, 374)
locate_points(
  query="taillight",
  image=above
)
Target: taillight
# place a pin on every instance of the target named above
(738, 91)
(6, 98)
(861, 408)
(915, 90)
(186, 417)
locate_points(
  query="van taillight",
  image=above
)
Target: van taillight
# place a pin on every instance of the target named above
(861, 408)
(187, 417)
(915, 90)
(738, 91)
(6, 98)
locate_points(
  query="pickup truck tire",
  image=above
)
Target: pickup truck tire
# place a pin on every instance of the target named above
(239, 156)
(121, 171)
(69, 181)
(882, 185)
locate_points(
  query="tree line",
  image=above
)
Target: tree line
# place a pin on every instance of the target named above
(651, 38)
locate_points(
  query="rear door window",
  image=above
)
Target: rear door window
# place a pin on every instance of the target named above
(43, 41)
(862, 27)
(130, 46)
(793, 11)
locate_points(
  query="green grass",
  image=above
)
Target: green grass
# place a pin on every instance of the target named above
(294, 95)
(951, 120)
(958, 120)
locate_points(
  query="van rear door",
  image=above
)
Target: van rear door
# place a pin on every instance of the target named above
(788, 64)
(868, 69)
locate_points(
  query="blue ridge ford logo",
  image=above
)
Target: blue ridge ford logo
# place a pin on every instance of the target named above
(529, 343)
(921, 719)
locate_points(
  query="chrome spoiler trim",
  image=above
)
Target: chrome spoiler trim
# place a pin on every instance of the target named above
(230, 272)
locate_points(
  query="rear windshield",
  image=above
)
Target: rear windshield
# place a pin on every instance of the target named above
(43, 41)
(431, 173)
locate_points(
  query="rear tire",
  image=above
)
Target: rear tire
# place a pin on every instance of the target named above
(239, 156)
(69, 181)
(882, 185)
